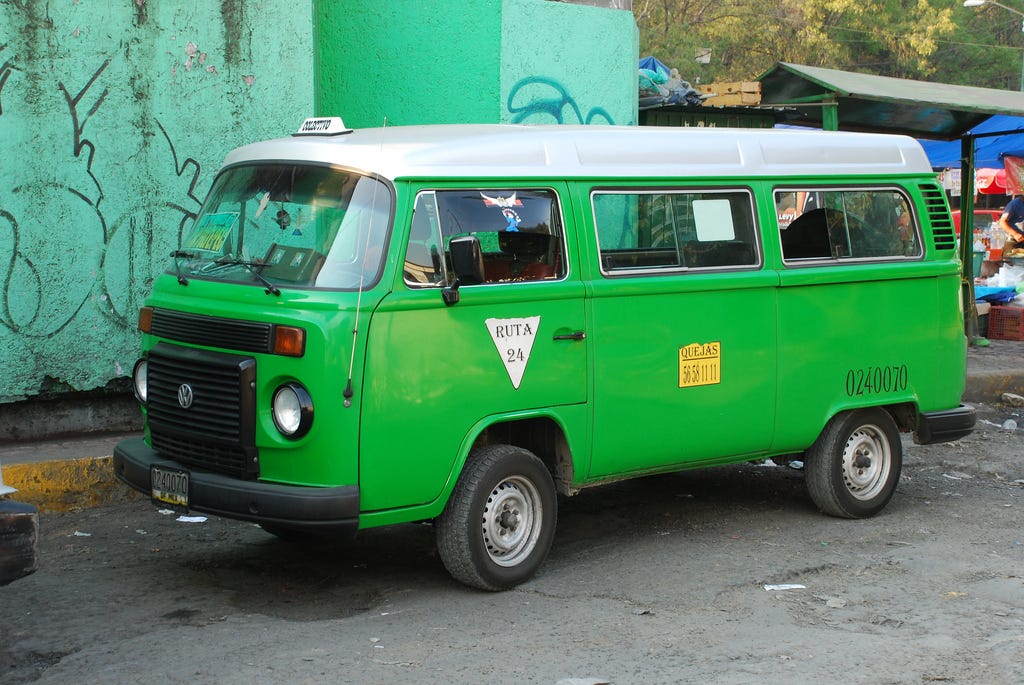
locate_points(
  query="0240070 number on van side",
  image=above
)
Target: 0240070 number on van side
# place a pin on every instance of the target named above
(876, 380)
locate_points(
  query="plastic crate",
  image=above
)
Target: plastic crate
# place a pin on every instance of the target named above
(1006, 323)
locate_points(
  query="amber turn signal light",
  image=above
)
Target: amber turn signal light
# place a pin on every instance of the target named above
(146, 319)
(289, 341)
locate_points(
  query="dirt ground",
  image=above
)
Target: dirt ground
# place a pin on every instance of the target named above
(665, 579)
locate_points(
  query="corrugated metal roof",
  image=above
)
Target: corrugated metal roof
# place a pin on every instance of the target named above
(883, 104)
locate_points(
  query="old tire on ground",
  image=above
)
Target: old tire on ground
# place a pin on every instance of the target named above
(853, 468)
(499, 522)
(19, 540)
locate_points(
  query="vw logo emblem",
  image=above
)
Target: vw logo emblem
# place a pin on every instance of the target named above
(185, 395)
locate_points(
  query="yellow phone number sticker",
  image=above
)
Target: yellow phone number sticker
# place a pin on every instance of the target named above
(700, 364)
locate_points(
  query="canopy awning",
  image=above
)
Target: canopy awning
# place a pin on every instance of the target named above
(865, 102)
(990, 181)
(988, 150)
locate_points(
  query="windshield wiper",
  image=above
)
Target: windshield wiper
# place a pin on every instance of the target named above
(179, 254)
(271, 289)
(255, 269)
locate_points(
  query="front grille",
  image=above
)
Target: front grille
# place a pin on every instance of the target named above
(212, 331)
(217, 432)
(943, 232)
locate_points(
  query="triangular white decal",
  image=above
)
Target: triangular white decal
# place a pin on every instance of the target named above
(514, 340)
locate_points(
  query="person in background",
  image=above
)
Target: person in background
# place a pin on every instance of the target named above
(1010, 223)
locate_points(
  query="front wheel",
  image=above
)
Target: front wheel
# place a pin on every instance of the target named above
(853, 467)
(498, 525)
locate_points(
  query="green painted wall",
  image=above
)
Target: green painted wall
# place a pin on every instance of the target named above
(568, 64)
(482, 61)
(412, 62)
(113, 117)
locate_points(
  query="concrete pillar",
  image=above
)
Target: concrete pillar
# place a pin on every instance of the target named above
(480, 61)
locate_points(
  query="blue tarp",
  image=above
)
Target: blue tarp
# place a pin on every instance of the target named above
(658, 86)
(994, 295)
(987, 151)
(655, 65)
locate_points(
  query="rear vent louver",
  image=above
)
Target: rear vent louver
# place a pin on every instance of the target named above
(943, 234)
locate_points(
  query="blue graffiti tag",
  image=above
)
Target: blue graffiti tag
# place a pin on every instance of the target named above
(552, 107)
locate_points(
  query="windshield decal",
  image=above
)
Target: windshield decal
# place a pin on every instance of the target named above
(506, 203)
(513, 339)
(212, 231)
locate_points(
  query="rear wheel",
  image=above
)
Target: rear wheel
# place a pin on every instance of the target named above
(498, 525)
(854, 466)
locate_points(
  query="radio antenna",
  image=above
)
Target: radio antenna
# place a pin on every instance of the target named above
(348, 393)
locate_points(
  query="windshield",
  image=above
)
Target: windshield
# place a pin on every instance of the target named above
(289, 226)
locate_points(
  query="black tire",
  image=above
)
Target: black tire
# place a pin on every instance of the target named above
(852, 470)
(499, 522)
(19, 540)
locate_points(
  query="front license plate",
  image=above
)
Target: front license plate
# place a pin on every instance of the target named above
(169, 486)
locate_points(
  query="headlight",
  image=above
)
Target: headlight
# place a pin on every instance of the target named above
(140, 382)
(292, 410)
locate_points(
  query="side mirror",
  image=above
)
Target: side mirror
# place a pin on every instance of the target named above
(467, 265)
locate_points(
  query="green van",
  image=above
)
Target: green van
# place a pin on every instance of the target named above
(460, 323)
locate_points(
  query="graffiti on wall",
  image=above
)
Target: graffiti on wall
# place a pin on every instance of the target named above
(112, 116)
(83, 235)
(32, 309)
(538, 100)
(78, 122)
(5, 71)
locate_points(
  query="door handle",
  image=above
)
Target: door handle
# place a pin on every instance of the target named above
(575, 335)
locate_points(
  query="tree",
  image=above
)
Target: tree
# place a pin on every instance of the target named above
(986, 50)
(914, 39)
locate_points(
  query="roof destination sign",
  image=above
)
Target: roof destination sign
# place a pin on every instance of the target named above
(322, 126)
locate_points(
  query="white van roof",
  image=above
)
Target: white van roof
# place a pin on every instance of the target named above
(555, 151)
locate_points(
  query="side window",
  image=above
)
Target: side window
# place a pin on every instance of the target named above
(423, 263)
(665, 230)
(873, 223)
(519, 231)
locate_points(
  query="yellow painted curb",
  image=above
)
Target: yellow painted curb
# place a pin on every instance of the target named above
(989, 386)
(62, 485)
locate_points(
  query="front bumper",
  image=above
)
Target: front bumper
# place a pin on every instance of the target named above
(944, 426)
(333, 511)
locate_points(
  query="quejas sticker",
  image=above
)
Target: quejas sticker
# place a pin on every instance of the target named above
(700, 364)
(513, 339)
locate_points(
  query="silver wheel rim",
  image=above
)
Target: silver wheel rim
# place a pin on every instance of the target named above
(867, 461)
(512, 521)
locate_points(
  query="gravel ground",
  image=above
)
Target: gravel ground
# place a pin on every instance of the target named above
(667, 579)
